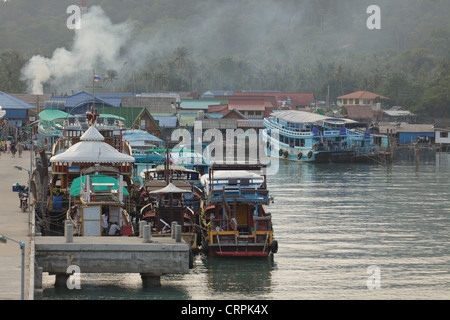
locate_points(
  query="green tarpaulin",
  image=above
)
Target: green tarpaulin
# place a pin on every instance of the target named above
(75, 187)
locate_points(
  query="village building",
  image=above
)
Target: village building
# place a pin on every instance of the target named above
(405, 133)
(134, 118)
(17, 110)
(442, 138)
(360, 113)
(291, 100)
(397, 114)
(359, 98)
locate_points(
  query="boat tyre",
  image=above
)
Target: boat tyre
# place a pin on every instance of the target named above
(191, 260)
(137, 183)
(280, 153)
(299, 156)
(285, 154)
(205, 246)
(274, 246)
(310, 155)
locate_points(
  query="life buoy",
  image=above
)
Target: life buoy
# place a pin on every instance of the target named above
(137, 182)
(310, 154)
(299, 156)
(285, 154)
(280, 153)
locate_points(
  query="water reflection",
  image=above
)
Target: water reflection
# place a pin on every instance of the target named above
(239, 275)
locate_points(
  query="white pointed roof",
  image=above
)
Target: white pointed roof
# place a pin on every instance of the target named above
(171, 188)
(92, 134)
(92, 149)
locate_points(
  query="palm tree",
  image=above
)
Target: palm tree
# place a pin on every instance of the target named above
(111, 76)
(183, 63)
(160, 77)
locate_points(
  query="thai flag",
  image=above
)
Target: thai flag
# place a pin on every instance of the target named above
(96, 78)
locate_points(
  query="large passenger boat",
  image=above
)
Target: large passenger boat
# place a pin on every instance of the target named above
(311, 137)
(235, 220)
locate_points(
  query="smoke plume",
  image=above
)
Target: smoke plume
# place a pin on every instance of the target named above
(98, 45)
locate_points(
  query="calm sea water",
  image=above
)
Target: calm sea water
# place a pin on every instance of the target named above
(332, 223)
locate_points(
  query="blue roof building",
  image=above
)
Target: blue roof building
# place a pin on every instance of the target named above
(16, 109)
(81, 102)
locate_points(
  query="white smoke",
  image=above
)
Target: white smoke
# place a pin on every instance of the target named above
(97, 45)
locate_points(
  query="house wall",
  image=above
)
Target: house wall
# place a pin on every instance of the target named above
(408, 137)
(442, 137)
(147, 124)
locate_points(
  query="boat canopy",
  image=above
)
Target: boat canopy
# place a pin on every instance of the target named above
(52, 115)
(99, 183)
(295, 116)
(171, 188)
(92, 149)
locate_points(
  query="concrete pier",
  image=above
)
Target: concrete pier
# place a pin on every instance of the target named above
(111, 255)
(13, 224)
(149, 256)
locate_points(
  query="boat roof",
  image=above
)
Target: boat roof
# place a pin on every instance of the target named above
(75, 187)
(92, 149)
(295, 116)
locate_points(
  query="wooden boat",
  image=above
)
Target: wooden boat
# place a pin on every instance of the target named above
(234, 214)
(99, 196)
(170, 194)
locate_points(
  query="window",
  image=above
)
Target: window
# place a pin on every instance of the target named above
(443, 134)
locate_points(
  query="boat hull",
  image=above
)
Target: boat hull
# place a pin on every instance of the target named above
(238, 251)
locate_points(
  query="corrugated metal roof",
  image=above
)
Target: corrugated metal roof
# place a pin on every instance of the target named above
(362, 95)
(294, 116)
(9, 102)
(167, 121)
(398, 113)
(85, 97)
(198, 104)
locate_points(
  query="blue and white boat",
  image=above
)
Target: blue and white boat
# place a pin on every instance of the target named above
(311, 137)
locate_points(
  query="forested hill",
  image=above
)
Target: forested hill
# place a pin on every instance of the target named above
(288, 45)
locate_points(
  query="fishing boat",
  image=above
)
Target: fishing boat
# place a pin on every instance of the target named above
(234, 215)
(90, 152)
(311, 137)
(170, 194)
(99, 194)
(100, 145)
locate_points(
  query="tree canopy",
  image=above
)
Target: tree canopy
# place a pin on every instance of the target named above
(315, 46)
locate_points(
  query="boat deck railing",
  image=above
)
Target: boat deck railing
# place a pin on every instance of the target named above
(240, 194)
(351, 134)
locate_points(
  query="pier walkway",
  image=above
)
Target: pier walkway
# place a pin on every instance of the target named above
(151, 257)
(14, 225)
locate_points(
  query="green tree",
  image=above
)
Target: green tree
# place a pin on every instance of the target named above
(11, 64)
(110, 78)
